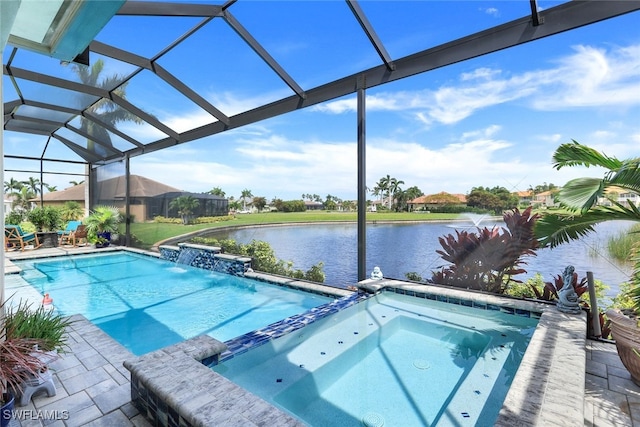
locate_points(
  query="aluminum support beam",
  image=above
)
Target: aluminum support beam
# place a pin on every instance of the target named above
(262, 53)
(371, 34)
(564, 17)
(362, 185)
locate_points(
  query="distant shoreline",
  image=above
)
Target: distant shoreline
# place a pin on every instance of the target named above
(225, 228)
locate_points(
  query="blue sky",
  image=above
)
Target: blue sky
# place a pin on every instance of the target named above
(490, 121)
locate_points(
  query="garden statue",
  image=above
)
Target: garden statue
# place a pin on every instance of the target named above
(376, 274)
(567, 296)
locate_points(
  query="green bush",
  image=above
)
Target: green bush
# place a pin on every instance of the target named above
(41, 324)
(46, 218)
(164, 220)
(212, 219)
(264, 258)
(14, 217)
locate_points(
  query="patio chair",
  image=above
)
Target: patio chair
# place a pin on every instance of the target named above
(14, 237)
(75, 236)
(63, 235)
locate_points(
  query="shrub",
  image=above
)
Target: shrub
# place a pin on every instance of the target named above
(46, 218)
(15, 217)
(488, 260)
(212, 219)
(264, 258)
(163, 220)
(41, 324)
(413, 276)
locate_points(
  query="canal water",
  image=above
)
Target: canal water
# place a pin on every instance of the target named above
(400, 248)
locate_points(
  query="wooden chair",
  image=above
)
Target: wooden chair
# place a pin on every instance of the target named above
(14, 237)
(70, 228)
(75, 236)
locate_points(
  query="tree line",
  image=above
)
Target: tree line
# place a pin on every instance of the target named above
(391, 196)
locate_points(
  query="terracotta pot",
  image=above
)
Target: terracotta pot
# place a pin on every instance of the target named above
(627, 335)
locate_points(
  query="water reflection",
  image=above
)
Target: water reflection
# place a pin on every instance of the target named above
(401, 248)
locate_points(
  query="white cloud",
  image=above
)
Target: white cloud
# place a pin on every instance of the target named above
(589, 77)
(492, 11)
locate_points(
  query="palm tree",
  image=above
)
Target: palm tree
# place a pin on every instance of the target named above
(383, 186)
(33, 184)
(106, 110)
(246, 193)
(51, 188)
(185, 206)
(22, 200)
(217, 191)
(71, 211)
(74, 183)
(12, 186)
(581, 195)
(394, 187)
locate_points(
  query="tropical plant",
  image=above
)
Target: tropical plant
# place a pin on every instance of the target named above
(217, 191)
(103, 219)
(23, 199)
(246, 193)
(71, 211)
(12, 186)
(108, 111)
(21, 357)
(45, 219)
(14, 217)
(34, 185)
(40, 323)
(580, 197)
(185, 206)
(488, 260)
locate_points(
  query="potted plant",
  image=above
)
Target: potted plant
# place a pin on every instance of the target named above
(103, 221)
(47, 221)
(580, 196)
(29, 339)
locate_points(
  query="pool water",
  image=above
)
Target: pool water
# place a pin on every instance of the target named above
(392, 360)
(147, 303)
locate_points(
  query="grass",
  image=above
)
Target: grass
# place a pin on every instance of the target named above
(620, 246)
(150, 233)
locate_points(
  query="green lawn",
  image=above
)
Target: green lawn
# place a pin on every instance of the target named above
(150, 233)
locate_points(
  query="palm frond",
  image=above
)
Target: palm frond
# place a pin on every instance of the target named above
(574, 154)
(581, 193)
(553, 229)
(628, 176)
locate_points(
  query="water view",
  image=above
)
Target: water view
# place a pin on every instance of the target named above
(401, 248)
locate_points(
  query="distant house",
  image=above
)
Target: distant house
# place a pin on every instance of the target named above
(524, 197)
(8, 204)
(619, 195)
(313, 205)
(436, 200)
(147, 198)
(545, 199)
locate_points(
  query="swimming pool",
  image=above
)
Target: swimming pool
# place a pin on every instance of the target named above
(146, 303)
(391, 360)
